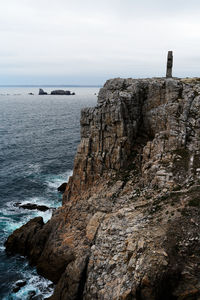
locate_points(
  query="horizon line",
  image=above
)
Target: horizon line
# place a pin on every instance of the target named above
(51, 85)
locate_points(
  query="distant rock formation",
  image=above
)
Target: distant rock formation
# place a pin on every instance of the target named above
(42, 92)
(56, 92)
(61, 92)
(129, 227)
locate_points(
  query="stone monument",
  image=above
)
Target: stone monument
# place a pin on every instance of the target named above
(169, 64)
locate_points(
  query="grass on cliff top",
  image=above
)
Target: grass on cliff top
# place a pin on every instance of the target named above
(191, 80)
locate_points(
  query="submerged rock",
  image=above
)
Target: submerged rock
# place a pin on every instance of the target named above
(129, 224)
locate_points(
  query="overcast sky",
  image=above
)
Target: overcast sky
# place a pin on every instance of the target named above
(89, 41)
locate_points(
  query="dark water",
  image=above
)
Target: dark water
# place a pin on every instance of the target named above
(38, 141)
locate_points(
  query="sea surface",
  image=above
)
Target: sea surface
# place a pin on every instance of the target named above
(38, 140)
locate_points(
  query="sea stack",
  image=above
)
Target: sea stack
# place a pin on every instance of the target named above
(169, 64)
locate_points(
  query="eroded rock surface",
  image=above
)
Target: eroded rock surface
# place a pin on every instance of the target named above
(129, 224)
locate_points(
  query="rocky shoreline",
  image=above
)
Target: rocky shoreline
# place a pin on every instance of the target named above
(129, 224)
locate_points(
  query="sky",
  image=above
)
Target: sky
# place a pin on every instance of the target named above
(90, 41)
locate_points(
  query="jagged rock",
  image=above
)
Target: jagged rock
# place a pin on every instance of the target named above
(34, 240)
(18, 240)
(61, 92)
(62, 187)
(32, 206)
(42, 92)
(129, 224)
(18, 285)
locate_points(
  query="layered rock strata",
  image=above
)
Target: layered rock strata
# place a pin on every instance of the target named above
(129, 224)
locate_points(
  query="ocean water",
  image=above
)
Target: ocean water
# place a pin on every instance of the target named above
(38, 140)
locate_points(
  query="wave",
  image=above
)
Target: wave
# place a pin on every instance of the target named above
(54, 181)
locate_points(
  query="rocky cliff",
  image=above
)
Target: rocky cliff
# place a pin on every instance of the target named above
(129, 224)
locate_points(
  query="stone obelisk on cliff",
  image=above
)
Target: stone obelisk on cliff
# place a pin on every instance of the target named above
(169, 64)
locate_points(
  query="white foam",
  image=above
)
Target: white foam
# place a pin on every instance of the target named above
(36, 283)
(33, 168)
(54, 181)
(11, 224)
(36, 200)
(14, 217)
(46, 215)
(2, 248)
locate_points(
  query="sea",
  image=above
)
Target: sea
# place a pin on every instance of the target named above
(38, 141)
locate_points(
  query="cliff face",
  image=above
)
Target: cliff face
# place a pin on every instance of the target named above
(129, 224)
(147, 119)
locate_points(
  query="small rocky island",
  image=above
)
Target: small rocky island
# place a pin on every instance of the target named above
(56, 92)
(129, 226)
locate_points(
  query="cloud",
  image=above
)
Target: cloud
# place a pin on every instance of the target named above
(95, 39)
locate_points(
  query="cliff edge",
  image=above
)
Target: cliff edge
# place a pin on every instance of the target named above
(129, 224)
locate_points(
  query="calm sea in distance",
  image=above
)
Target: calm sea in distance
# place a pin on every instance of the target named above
(38, 140)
